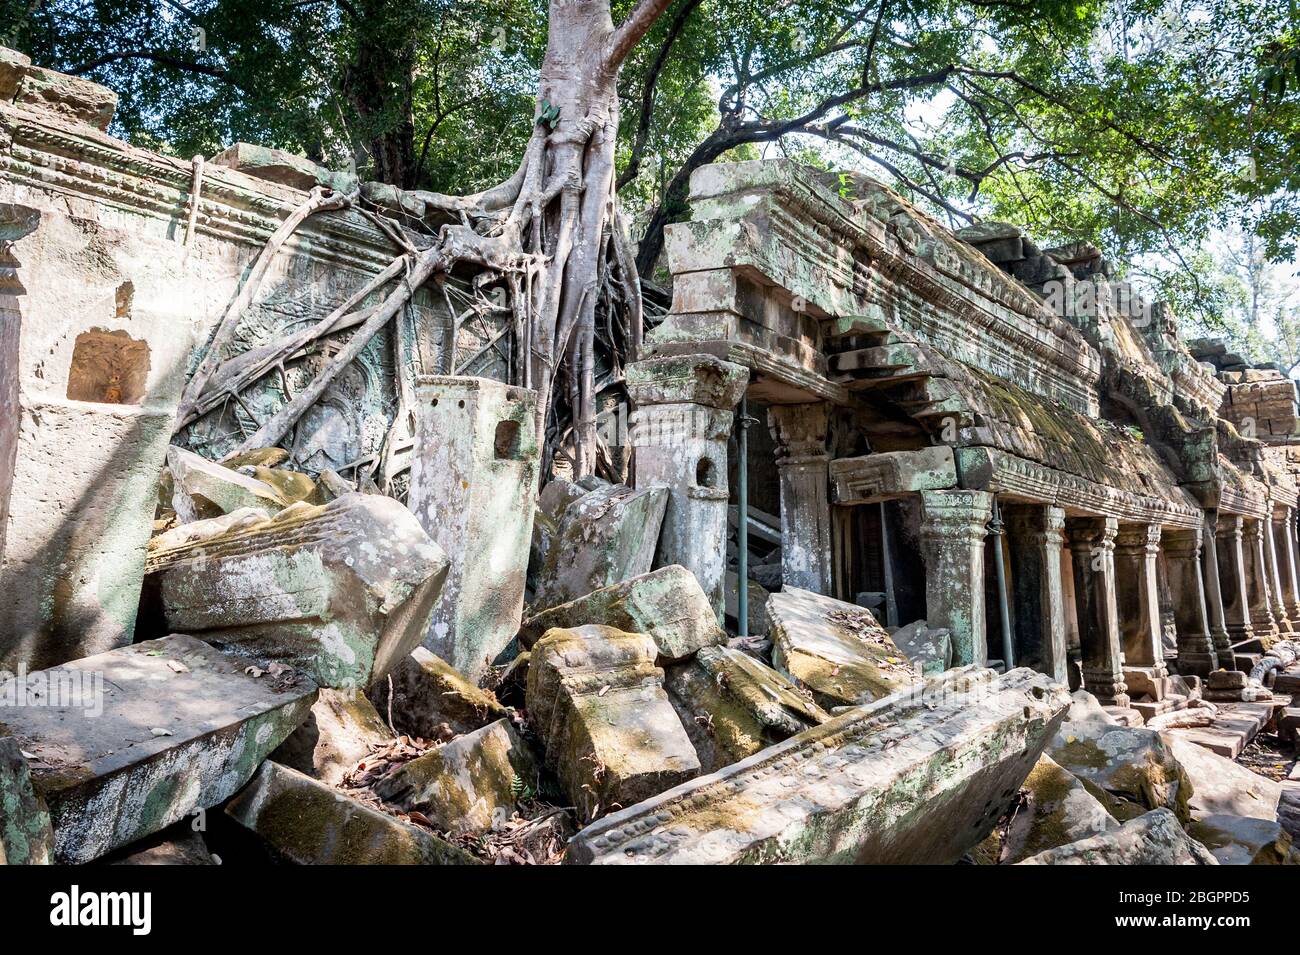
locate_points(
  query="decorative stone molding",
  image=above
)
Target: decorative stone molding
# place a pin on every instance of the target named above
(889, 474)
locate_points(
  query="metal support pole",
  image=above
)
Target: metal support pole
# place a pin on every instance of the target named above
(996, 528)
(742, 522)
(887, 568)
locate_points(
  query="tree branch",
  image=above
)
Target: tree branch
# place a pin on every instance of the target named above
(162, 58)
(630, 31)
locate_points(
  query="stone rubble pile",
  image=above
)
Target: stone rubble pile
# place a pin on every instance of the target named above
(291, 696)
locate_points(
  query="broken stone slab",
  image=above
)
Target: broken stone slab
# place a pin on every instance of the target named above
(339, 733)
(204, 489)
(25, 834)
(130, 741)
(468, 785)
(176, 845)
(596, 699)
(277, 165)
(342, 591)
(68, 96)
(1234, 811)
(1085, 706)
(918, 777)
(306, 822)
(1153, 838)
(667, 604)
(928, 650)
(431, 699)
(836, 649)
(474, 489)
(1056, 809)
(1130, 769)
(732, 705)
(602, 538)
(211, 527)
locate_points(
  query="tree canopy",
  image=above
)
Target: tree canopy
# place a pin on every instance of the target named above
(1139, 124)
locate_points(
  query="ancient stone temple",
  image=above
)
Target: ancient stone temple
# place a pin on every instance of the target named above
(938, 403)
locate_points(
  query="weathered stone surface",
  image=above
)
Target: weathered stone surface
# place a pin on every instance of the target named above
(1234, 811)
(1130, 769)
(341, 591)
(241, 519)
(917, 777)
(733, 705)
(1154, 838)
(474, 489)
(307, 822)
(667, 604)
(836, 649)
(276, 165)
(597, 700)
(181, 727)
(603, 538)
(176, 845)
(1084, 706)
(430, 698)
(468, 785)
(928, 650)
(25, 834)
(204, 489)
(338, 734)
(1057, 810)
(68, 96)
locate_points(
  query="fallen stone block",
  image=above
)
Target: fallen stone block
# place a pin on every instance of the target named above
(176, 845)
(602, 538)
(338, 734)
(928, 650)
(756, 602)
(1130, 769)
(238, 520)
(733, 705)
(203, 489)
(1056, 809)
(25, 834)
(597, 701)
(1085, 706)
(468, 785)
(474, 489)
(277, 165)
(430, 698)
(128, 742)
(836, 649)
(1234, 811)
(1153, 838)
(69, 96)
(341, 591)
(667, 604)
(308, 823)
(918, 777)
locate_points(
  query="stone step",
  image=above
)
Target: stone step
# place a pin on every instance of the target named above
(1153, 708)
(125, 743)
(1234, 728)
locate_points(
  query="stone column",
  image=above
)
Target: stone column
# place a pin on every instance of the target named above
(15, 222)
(1290, 570)
(1213, 588)
(1137, 547)
(1092, 552)
(684, 409)
(1232, 578)
(952, 544)
(1273, 564)
(1182, 550)
(1258, 599)
(1035, 537)
(802, 460)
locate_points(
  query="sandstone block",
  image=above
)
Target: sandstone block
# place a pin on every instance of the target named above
(1154, 838)
(308, 823)
(732, 705)
(597, 700)
(430, 697)
(667, 604)
(341, 591)
(1057, 809)
(468, 785)
(338, 734)
(69, 96)
(918, 777)
(836, 649)
(204, 489)
(602, 538)
(179, 727)
(25, 834)
(1130, 769)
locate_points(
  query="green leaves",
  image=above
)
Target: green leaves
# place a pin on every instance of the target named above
(550, 114)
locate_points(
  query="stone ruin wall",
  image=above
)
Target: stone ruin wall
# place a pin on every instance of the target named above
(104, 310)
